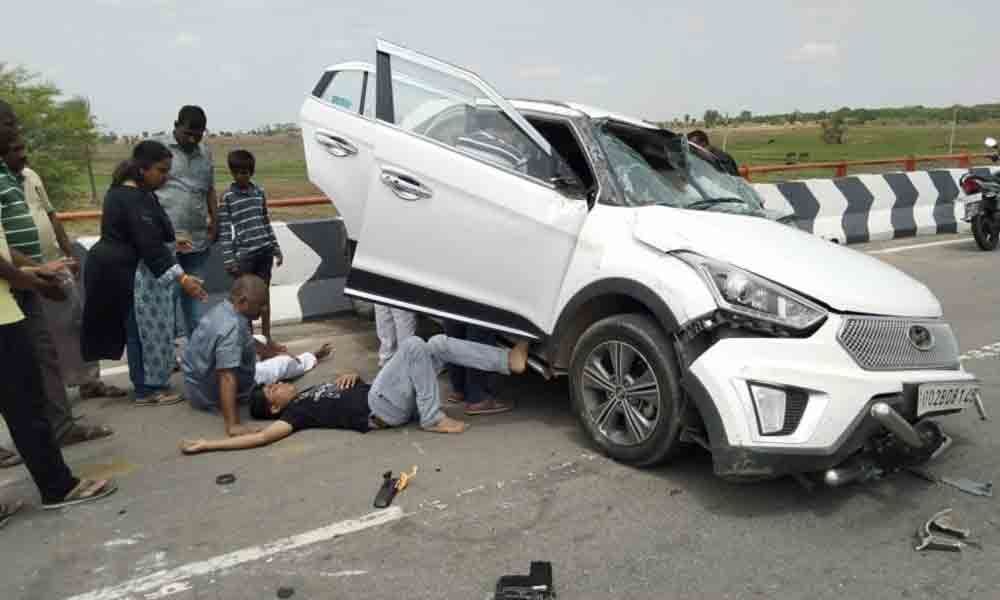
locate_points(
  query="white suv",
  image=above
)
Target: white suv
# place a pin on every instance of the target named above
(680, 310)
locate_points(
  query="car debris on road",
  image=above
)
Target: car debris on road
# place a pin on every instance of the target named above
(942, 523)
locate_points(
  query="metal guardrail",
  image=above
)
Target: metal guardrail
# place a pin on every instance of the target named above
(908, 163)
(86, 215)
(839, 167)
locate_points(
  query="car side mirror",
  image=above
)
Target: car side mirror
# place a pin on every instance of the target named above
(991, 143)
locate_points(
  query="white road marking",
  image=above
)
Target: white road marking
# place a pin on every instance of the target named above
(478, 488)
(124, 541)
(157, 583)
(919, 246)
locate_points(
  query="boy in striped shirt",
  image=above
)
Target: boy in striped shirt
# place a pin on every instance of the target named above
(248, 242)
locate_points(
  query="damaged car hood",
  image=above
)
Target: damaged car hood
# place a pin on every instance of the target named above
(844, 279)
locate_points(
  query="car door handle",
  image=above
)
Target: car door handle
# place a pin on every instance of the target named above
(405, 186)
(335, 145)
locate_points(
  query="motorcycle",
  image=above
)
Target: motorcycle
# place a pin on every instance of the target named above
(982, 214)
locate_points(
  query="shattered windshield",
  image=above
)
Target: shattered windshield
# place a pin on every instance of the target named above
(648, 175)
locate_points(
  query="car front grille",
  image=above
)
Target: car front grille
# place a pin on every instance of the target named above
(883, 344)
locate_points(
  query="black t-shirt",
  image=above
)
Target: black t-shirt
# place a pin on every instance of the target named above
(326, 407)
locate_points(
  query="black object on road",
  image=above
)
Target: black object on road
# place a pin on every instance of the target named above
(536, 585)
(387, 492)
(286, 592)
(225, 479)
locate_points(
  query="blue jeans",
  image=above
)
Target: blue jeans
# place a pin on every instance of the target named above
(408, 383)
(471, 383)
(194, 264)
(133, 351)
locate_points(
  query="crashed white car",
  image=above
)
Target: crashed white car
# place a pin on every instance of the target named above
(681, 311)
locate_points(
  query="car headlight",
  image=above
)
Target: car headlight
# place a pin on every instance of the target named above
(744, 293)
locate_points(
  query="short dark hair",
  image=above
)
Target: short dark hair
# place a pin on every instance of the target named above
(192, 116)
(260, 408)
(699, 137)
(8, 135)
(241, 159)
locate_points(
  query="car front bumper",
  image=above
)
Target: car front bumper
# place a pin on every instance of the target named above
(836, 421)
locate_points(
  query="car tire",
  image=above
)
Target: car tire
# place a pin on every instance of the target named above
(630, 408)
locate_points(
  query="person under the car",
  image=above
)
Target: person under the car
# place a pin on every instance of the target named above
(407, 385)
(726, 162)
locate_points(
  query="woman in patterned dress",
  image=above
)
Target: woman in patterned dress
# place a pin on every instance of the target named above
(131, 278)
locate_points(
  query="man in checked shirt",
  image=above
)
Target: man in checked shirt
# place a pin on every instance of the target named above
(249, 246)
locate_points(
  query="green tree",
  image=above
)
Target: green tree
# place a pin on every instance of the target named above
(59, 133)
(712, 117)
(835, 128)
(746, 116)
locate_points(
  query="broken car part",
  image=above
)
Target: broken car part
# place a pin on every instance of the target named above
(941, 521)
(392, 486)
(968, 486)
(894, 422)
(387, 491)
(537, 585)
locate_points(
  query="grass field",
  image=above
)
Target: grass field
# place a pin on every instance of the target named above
(769, 146)
(281, 167)
(281, 170)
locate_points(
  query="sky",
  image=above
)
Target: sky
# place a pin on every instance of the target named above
(250, 62)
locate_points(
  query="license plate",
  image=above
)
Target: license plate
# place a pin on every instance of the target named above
(972, 209)
(938, 397)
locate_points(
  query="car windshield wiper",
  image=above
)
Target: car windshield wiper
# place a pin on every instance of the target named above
(713, 201)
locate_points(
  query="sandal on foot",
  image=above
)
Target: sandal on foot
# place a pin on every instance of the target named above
(159, 399)
(9, 459)
(8, 509)
(84, 433)
(489, 407)
(99, 389)
(456, 398)
(86, 491)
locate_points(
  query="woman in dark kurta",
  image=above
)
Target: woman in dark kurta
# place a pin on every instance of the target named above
(136, 251)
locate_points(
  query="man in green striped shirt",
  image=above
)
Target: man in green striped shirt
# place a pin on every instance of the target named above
(21, 233)
(16, 218)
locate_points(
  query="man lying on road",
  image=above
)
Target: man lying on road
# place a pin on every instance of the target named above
(408, 384)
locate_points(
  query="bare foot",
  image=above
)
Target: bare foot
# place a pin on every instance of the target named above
(446, 425)
(324, 351)
(518, 358)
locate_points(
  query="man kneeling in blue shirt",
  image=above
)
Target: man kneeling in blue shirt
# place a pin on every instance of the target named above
(406, 386)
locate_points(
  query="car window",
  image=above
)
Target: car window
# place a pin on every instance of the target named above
(454, 112)
(344, 90)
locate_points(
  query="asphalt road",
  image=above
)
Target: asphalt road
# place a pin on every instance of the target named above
(515, 488)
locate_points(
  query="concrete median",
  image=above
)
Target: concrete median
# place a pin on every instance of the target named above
(310, 283)
(867, 208)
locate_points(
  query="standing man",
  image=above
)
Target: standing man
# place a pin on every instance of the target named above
(63, 318)
(726, 162)
(21, 399)
(22, 238)
(189, 199)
